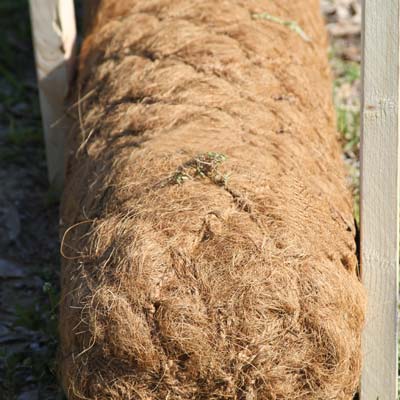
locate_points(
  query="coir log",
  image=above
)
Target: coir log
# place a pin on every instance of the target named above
(208, 237)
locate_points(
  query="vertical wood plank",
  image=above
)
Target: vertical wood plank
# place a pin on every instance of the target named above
(54, 38)
(380, 196)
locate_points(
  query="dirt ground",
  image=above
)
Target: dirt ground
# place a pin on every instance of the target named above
(29, 244)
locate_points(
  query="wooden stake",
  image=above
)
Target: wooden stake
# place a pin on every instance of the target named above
(54, 38)
(380, 196)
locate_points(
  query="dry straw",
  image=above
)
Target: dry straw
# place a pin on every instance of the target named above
(209, 237)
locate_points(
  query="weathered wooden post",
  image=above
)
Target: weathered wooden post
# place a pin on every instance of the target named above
(54, 37)
(380, 196)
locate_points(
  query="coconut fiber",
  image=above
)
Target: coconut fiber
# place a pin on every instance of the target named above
(208, 237)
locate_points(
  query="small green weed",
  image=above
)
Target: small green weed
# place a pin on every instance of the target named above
(204, 165)
(345, 71)
(292, 25)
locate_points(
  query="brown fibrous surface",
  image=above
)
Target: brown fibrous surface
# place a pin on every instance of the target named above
(208, 237)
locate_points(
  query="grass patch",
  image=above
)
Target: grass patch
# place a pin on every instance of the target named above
(35, 359)
(348, 124)
(346, 95)
(22, 136)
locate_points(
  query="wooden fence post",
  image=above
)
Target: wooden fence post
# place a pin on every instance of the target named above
(380, 196)
(54, 38)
